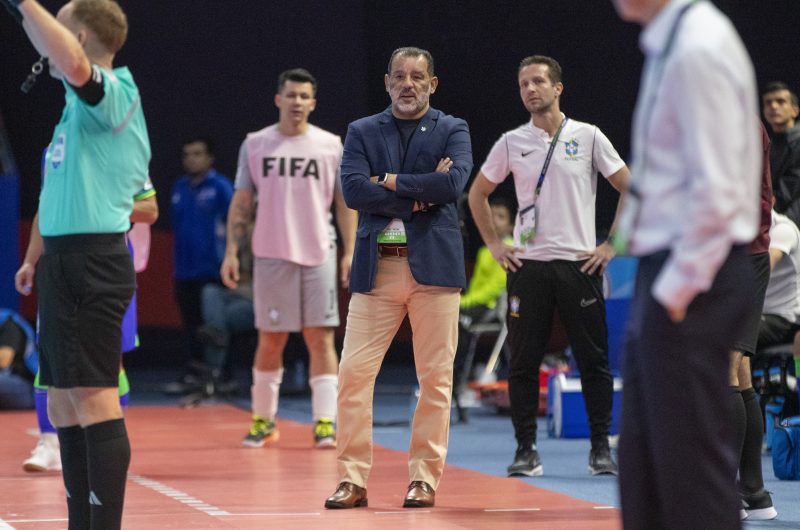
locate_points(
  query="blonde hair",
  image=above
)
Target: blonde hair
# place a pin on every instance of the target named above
(105, 19)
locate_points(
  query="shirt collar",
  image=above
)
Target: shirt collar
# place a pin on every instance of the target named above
(541, 132)
(653, 39)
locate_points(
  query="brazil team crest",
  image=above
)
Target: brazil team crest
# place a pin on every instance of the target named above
(571, 149)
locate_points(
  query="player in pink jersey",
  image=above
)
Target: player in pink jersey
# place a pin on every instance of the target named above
(291, 168)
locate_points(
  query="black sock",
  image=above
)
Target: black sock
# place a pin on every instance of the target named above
(109, 453)
(739, 421)
(750, 475)
(75, 474)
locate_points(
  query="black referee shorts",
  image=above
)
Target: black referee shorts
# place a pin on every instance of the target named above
(85, 283)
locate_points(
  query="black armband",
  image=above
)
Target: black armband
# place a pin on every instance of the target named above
(92, 90)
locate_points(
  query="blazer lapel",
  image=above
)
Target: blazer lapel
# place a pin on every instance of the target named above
(421, 135)
(391, 137)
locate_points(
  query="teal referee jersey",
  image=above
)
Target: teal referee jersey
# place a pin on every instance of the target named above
(97, 160)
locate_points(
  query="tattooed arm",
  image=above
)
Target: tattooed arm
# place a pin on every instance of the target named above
(240, 215)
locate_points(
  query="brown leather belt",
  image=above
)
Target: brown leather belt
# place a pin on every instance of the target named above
(397, 251)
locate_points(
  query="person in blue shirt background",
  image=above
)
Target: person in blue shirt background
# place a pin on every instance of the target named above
(19, 361)
(199, 208)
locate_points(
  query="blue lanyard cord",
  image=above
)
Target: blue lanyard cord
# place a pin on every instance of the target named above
(659, 74)
(547, 162)
(621, 244)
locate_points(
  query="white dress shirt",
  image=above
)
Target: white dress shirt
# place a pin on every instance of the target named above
(696, 149)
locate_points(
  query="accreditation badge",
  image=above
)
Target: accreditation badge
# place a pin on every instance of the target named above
(527, 225)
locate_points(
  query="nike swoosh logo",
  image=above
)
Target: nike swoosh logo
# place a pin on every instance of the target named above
(529, 152)
(587, 303)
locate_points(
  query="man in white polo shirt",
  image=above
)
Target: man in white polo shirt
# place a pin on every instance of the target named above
(555, 262)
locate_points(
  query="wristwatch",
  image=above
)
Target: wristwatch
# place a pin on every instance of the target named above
(382, 178)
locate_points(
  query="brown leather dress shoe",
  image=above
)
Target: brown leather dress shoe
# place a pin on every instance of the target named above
(420, 495)
(347, 495)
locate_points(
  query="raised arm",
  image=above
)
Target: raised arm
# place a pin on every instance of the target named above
(56, 42)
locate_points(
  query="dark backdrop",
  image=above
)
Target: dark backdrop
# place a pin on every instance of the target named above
(209, 67)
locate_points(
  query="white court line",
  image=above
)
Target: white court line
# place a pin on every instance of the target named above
(405, 512)
(603, 508)
(274, 514)
(176, 495)
(512, 510)
(32, 521)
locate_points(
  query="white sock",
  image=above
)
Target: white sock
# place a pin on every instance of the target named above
(50, 438)
(264, 393)
(323, 396)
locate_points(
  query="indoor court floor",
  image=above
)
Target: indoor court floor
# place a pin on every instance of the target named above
(188, 471)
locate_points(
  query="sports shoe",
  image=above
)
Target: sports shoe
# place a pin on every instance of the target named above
(46, 456)
(262, 432)
(600, 461)
(526, 463)
(324, 434)
(758, 506)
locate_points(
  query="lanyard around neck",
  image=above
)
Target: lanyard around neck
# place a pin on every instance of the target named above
(656, 77)
(547, 161)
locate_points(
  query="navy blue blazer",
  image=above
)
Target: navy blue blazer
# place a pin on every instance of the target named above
(372, 147)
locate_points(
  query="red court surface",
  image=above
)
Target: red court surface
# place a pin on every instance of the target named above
(189, 472)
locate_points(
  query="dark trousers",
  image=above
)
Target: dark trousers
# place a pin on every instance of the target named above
(676, 452)
(534, 292)
(188, 296)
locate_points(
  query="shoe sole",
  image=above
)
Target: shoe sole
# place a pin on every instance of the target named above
(33, 468)
(762, 514)
(339, 506)
(417, 504)
(538, 471)
(269, 440)
(594, 472)
(326, 443)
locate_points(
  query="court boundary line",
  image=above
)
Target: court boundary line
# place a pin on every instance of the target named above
(180, 496)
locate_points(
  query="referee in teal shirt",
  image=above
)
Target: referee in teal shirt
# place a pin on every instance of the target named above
(96, 162)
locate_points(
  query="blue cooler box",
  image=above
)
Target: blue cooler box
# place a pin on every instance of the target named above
(566, 412)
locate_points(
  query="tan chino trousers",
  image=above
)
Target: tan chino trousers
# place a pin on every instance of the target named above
(372, 322)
